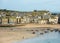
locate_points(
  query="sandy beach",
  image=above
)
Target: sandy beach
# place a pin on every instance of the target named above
(42, 25)
(12, 34)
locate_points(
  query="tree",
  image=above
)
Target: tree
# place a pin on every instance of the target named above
(34, 13)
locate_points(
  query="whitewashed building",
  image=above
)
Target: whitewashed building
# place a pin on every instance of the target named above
(18, 19)
(25, 19)
(42, 21)
(53, 20)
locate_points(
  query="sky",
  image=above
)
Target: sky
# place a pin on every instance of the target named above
(30, 5)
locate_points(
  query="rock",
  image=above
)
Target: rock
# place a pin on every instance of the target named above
(59, 31)
(48, 29)
(33, 33)
(45, 31)
(55, 30)
(41, 33)
(51, 30)
(36, 30)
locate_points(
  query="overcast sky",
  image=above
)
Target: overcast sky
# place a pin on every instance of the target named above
(29, 5)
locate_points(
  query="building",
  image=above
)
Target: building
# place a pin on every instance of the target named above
(42, 21)
(53, 20)
(59, 18)
(16, 17)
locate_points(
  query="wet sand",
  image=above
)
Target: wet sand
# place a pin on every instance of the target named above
(12, 34)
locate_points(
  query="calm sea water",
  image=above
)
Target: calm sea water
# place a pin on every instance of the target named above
(51, 37)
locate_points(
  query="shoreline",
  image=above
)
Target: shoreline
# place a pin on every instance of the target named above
(35, 25)
(40, 25)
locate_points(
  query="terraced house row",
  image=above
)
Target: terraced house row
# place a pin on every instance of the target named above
(18, 17)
